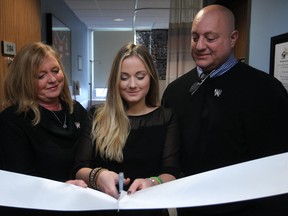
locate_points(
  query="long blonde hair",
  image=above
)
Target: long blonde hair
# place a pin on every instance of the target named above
(20, 84)
(111, 126)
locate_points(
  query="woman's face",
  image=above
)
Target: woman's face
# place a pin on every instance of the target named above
(50, 80)
(135, 81)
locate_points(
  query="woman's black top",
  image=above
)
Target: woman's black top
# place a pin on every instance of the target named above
(47, 149)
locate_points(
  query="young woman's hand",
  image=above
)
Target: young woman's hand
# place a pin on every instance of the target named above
(107, 182)
(140, 184)
(77, 182)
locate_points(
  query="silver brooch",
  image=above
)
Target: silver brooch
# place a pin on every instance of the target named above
(77, 124)
(217, 92)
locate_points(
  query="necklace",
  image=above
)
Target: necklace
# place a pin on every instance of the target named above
(63, 124)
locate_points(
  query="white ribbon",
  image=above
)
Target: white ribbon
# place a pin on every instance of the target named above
(249, 180)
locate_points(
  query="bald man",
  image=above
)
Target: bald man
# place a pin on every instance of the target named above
(228, 111)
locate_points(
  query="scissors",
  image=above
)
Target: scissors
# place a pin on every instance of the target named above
(121, 181)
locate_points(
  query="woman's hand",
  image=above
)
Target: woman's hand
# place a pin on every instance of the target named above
(140, 184)
(77, 182)
(107, 181)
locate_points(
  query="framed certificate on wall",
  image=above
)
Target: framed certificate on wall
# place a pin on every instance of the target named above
(279, 58)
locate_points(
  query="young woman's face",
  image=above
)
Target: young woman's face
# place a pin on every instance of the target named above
(50, 80)
(135, 81)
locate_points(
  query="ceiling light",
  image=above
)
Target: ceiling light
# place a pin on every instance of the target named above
(118, 20)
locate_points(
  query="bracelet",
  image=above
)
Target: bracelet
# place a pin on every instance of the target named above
(152, 180)
(96, 177)
(155, 178)
(92, 176)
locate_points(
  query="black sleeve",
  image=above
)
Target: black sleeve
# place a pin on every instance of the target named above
(170, 160)
(16, 151)
(85, 151)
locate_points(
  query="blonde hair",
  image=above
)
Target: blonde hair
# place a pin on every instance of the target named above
(111, 126)
(20, 84)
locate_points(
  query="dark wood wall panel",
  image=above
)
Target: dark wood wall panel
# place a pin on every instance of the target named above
(20, 23)
(241, 10)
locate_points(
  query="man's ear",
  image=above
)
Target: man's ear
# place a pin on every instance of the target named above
(234, 37)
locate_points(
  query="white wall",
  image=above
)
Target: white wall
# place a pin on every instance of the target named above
(268, 19)
(79, 43)
(106, 45)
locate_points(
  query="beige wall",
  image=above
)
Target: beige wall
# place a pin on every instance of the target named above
(106, 45)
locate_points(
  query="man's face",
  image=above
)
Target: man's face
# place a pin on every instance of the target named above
(212, 41)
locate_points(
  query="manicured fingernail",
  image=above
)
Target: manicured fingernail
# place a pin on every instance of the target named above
(128, 192)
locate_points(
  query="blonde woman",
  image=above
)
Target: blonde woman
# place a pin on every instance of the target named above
(41, 126)
(131, 132)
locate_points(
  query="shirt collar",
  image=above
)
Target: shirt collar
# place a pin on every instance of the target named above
(231, 61)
